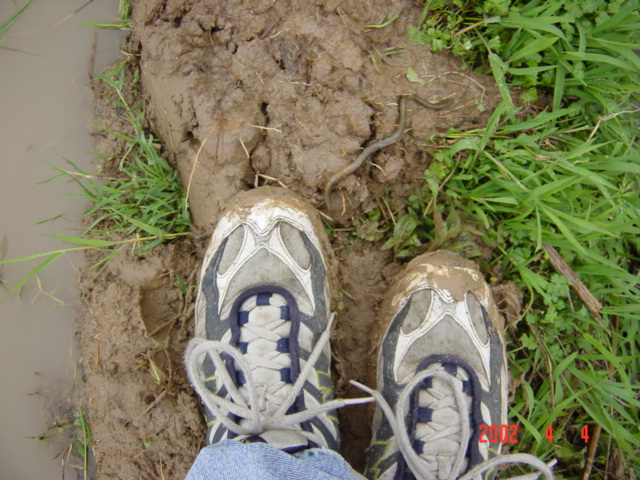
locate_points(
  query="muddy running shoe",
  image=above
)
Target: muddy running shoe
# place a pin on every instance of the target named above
(260, 357)
(441, 376)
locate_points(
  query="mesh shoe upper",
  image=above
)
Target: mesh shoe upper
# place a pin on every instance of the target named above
(443, 335)
(260, 358)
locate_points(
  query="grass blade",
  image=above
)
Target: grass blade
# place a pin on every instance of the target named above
(52, 258)
(6, 25)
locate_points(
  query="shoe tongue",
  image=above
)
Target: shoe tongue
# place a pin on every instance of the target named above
(438, 427)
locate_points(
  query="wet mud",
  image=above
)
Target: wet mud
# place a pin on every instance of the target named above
(243, 94)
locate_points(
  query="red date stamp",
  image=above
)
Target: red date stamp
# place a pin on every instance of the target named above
(584, 433)
(498, 433)
(509, 433)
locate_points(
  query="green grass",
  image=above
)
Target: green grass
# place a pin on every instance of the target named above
(565, 173)
(82, 439)
(6, 25)
(143, 195)
(139, 205)
(73, 433)
(78, 430)
(124, 8)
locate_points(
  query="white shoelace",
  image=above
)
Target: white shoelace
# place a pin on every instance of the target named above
(260, 334)
(418, 465)
(255, 421)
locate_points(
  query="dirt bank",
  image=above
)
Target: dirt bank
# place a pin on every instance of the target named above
(247, 93)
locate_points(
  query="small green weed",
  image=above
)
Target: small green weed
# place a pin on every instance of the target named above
(77, 431)
(564, 174)
(373, 227)
(82, 438)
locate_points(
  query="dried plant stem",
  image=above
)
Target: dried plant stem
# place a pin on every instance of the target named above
(575, 283)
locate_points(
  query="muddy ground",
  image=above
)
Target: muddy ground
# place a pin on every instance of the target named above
(244, 93)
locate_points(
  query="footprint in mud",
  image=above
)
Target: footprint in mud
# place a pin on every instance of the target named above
(160, 309)
(160, 302)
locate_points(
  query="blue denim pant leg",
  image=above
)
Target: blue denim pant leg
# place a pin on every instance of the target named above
(231, 460)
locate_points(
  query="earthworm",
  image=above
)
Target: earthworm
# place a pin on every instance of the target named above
(374, 147)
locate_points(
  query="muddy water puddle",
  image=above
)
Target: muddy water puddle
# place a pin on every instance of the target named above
(45, 108)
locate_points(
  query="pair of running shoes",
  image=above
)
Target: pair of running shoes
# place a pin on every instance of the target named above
(260, 357)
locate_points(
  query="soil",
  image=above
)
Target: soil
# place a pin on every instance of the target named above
(245, 93)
